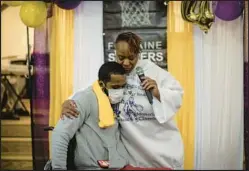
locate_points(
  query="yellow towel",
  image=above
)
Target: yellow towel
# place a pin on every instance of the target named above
(106, 114)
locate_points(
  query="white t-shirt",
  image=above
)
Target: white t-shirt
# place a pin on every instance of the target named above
(148, 131)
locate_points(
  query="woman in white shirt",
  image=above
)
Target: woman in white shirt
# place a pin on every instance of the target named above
(148, 131)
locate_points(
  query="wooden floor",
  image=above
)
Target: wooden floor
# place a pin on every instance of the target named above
(16, 147)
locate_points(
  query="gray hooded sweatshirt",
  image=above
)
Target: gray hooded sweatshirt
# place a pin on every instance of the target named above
(92, 142)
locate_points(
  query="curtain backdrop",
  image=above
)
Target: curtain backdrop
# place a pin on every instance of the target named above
(61, 61)
(219, 96)
(40, 94)
(88, 41)
(181, 65)
(246, 92)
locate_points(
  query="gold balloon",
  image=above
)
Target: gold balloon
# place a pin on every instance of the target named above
(184, 10)
(188, 9)
(208, 11)
(206, 16)
(34, 13)
(13, 3)
(198, 12)
(193, 15)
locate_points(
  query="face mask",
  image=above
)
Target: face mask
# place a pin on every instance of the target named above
(116, 95)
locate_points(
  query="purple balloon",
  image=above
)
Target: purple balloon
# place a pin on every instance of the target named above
(228, 10)
(67, 4)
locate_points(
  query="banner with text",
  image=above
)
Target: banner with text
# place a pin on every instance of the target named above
(145, 18)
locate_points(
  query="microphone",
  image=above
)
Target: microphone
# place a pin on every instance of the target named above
(140, 74)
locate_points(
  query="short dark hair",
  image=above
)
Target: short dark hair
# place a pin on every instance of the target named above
(132, 39)
(109, 68)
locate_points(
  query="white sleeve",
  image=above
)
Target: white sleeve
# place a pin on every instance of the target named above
(171, 94)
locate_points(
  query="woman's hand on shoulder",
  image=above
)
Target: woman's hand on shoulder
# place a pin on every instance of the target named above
(69, 109)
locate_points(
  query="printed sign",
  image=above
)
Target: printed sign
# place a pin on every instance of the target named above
(145, 18)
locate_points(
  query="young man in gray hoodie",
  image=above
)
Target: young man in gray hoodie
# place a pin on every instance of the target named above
(96, 147)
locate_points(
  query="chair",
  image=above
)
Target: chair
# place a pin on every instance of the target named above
(70, 153)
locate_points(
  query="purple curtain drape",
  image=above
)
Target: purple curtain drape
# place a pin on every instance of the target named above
(246, 92)
(40, 94)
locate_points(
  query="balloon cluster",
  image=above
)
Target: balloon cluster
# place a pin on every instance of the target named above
(203, 13)
(198, 12)
(34, 13)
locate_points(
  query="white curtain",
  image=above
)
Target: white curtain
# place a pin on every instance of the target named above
(219, 96)
(88, 41)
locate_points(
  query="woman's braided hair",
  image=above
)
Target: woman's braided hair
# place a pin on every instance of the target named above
(132, 39)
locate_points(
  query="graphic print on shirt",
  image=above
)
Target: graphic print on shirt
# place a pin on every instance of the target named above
(116, 110)
(130, 109)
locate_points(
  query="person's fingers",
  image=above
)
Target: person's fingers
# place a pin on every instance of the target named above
(68, 113)
(64, 110)
(145, 85)
(149, 87)
(72, 113)
(146, 81)
(73, 104)
(70, 110)
(75, 111)
(66, 103)
(63, 115)
(65, 107)
(73, 107)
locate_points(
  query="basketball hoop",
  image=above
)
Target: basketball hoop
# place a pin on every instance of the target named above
(135, 13)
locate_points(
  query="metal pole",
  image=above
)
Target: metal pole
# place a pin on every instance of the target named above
(31, 100)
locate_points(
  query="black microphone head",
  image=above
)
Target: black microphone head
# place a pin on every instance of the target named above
(139, 71)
